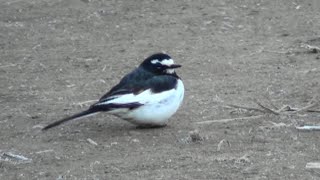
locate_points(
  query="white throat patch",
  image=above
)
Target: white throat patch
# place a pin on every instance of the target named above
(170, 71)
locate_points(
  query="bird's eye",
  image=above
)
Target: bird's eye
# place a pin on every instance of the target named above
(158, 66)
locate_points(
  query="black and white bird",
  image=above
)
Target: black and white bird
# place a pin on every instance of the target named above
(148, 96)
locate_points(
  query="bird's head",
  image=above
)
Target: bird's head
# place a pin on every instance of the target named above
(160, 64)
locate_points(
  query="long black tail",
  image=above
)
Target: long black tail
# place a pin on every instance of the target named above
(94, 109)
(78, 115)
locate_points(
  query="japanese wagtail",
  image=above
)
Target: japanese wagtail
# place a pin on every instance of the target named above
(148, 96)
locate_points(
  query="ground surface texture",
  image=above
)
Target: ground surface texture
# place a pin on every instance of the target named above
(57, 56)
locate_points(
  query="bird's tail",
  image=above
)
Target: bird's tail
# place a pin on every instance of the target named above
(76, 116)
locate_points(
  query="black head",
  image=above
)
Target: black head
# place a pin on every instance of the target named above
(160, 64)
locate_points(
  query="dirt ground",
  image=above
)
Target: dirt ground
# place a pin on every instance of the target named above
(58, 56)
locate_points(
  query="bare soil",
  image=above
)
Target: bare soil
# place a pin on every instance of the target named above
(56, 56)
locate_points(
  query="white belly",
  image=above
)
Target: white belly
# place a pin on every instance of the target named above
(157, 109)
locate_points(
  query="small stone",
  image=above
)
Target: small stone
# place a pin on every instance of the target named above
(195, 136)
(135, 140)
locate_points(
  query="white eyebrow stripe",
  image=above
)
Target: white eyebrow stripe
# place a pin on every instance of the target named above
(155, 61)
(167, 62)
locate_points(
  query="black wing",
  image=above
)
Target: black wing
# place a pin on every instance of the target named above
(128, 83)
(135, 83)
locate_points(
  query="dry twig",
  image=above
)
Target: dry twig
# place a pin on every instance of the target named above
(14, 157)
(313, 103)
(312, 49)
(81, 104)
(271, 104)
(228, 120)
(267, 110)
(244, 107)
(92, 142)
(8, 65)
(278, 52)
(313, 165)
(308, 107)
(44, 151)
(308, 128)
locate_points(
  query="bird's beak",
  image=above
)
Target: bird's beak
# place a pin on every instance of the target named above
(174, 66)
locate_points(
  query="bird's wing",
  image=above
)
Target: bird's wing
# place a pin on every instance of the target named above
(127, 84)
(136, 94)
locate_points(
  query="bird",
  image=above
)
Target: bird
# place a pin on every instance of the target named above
(146, 97)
